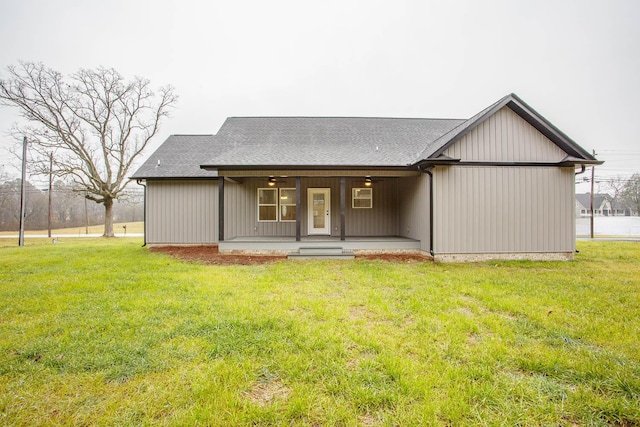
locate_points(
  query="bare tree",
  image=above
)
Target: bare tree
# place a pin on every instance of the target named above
(615, 187)
(95, 122)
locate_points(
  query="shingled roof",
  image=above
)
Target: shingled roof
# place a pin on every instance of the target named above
(180, 156)
(325, 141)
(598, 199)
(331, 142)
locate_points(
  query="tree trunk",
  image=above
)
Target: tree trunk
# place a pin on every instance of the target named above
(108, 218)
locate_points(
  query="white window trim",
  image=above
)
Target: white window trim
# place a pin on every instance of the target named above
(354, 198)
(263, 204)
(280, 204)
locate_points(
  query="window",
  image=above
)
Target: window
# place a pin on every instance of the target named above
(267, 204)
(288, 204)
(272, 208)
(362, 198)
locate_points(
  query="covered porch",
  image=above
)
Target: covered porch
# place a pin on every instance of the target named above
(356, 210)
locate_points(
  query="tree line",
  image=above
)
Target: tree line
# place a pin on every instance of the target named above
(69, 207)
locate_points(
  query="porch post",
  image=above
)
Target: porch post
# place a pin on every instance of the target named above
(221, 209)
(343, 196)
(298, 208)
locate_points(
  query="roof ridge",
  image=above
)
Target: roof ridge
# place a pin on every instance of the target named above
(342, 117)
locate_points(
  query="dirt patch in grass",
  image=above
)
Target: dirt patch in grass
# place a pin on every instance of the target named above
(265, 393)
(210, 255)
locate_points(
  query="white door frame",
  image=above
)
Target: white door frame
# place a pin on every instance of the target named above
(326, 230)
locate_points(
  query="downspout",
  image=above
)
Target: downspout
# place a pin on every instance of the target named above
(431, 251)
(144, 211)
(428, 172)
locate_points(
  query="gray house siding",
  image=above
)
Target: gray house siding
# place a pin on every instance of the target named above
(241, 210)
(382, 219)
(503, 209)
(413, 209)
(181, 212)
(496, 208)
(505, 137)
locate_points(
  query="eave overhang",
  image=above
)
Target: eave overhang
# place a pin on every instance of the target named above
(219, 168)
(448, 161)
(244, 171)
(575, 161)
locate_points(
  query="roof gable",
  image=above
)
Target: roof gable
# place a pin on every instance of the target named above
(598, 199)
(574, 153)
(505, 137)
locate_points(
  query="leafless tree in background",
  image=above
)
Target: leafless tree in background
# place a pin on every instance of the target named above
(615, 187)
(94, 122)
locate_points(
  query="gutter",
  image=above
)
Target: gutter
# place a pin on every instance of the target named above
(144, 211)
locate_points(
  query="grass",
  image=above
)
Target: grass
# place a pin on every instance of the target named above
(132, 227)
(103, 332)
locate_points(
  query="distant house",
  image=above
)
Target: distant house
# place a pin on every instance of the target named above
(601, 205)
(624, 209)
(497, 185)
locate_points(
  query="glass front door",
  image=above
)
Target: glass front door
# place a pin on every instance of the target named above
(319, 206)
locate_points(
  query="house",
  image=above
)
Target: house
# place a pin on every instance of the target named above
(601, 205)
(619, 208)
(498, 185)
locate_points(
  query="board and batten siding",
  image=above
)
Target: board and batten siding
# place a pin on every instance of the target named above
(505, 137)
(414, 209)
(182, 212)
(480, 209)
(241, 209)
(382, 219)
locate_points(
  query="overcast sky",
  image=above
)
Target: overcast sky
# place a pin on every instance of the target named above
(577, 62)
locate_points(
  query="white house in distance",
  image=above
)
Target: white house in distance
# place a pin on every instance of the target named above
(497, 185)
(603, 205)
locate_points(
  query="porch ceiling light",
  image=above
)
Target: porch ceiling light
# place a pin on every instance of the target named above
(272, 181)
(367, 181)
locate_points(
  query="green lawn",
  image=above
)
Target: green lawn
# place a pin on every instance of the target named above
(104, 332)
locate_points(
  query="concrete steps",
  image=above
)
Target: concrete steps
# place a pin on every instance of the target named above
(321, 252)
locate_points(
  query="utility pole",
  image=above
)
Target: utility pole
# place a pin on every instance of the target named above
(593, 168)
(23, 191)
(86, 216)
(50, 190)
